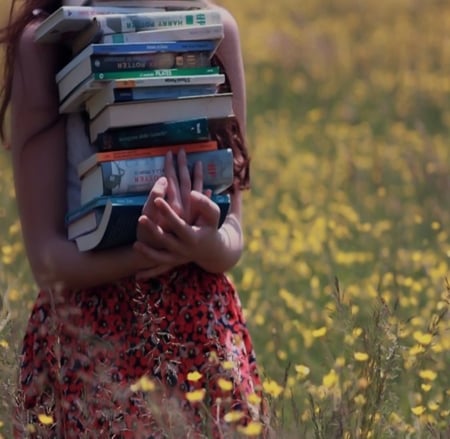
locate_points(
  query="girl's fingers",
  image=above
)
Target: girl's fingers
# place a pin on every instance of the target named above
(185, 183)
(205, 210)
(173, 190)
(197, 180)
(159, 190)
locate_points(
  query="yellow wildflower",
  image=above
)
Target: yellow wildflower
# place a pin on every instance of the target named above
(195, 395)
(320, 332)
(45, 419)
(272, 388)
(423, 338)
(254, 399)
(426, 387)
(302, 371)
(4, 344)
(233, 416)
(224, 384)
(418, 410)
(252, 429)
(428, 374)
(361, 356)
(144, 383)
(194, 376)
(331, 379)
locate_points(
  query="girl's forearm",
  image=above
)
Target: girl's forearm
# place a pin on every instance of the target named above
(225, 250)
(61, 265)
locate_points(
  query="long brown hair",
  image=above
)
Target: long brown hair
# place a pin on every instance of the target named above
(20, 14)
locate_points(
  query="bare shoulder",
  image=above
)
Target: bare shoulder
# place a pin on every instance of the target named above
(34, 71)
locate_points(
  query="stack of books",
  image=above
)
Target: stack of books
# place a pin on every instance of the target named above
(145, 81)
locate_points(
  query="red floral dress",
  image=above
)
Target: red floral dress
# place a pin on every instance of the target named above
(85, 353)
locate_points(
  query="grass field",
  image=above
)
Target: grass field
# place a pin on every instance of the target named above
(344, 278)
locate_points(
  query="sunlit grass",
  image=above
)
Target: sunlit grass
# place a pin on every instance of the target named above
(347, 242)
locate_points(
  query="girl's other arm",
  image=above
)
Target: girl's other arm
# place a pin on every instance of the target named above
(38, 144)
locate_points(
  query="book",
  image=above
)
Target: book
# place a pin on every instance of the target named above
(68, 20)
(188, 33)
(105, 222)
(147, 112)
(111, 95)
(94, 58)
(142, 136)
(126, 154)
(75, 100)
(108, 222)
(107, 24)
(134, 176)
(166, 4)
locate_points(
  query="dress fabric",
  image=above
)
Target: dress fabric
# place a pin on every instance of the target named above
(85, 353)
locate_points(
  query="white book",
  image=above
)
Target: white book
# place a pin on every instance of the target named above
(76, 101)
(146, 112)
(193, 33)
(167, 4)
(70, 19)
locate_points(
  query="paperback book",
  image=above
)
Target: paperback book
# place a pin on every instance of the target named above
(76, 98)
(139, 175)
(100, 58)
(127, 154)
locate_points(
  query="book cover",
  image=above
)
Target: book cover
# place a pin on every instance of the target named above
(148, 112)
(158, 22)
(115, 218)
(126, 154)
(166, 133)
(189, 33)
(75, 101)
(68, 20)
(111, 95)
(139, 175)
(66, 85)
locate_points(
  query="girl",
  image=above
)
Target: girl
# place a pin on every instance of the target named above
(107, 326)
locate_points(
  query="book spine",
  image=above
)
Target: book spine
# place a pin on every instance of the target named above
(149, 93)
(155, 73)
(139, 175)
(145, 61)
(157, 46)
(159, 20)
(137, 153)
(192, 130)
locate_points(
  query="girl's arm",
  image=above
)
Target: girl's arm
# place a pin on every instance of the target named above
(38, 145)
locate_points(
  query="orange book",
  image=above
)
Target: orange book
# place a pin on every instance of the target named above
(124, 154)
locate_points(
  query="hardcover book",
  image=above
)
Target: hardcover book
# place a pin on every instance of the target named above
(108, 222)
(75, 101)
(102, 25)
(111, 95)
(139, 175)
(149, 112)
(68, 20)
(158, 134)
